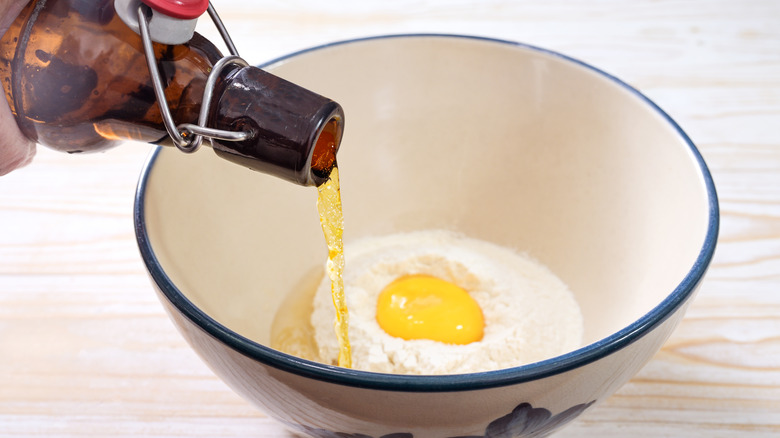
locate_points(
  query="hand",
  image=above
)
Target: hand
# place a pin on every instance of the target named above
(15, 149)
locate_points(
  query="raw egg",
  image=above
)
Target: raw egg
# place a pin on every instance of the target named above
(425, 307)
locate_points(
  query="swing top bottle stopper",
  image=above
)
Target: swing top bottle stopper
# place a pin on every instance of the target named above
(83, 76)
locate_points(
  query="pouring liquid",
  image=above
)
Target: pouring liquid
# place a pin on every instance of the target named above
(332, 221)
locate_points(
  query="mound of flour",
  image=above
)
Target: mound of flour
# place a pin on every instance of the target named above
(530, 314)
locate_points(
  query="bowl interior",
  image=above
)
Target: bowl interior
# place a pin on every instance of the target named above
(502, 142)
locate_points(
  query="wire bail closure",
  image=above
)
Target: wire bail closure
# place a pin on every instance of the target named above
(187, 136)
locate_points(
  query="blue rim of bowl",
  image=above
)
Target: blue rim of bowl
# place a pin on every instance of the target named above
(455, 382)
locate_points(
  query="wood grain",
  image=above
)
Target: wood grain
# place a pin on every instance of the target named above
(86, 350)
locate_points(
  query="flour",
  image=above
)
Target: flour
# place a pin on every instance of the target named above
(530, 314)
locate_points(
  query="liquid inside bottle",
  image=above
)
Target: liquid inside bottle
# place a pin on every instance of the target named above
(77, 80)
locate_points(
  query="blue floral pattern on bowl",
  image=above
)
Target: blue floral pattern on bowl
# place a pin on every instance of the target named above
(525, 421)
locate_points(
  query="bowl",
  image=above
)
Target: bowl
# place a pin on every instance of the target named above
(500, 141)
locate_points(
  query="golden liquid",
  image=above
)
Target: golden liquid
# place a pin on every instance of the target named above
(332, 221)
(291, 329)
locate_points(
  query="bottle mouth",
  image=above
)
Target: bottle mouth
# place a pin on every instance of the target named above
(323, 158)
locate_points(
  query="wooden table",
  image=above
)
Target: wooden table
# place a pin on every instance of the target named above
(86, 350)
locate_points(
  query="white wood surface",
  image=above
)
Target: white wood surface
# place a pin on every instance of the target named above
(86, 350)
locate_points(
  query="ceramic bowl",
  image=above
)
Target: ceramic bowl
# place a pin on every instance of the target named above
(500, 141)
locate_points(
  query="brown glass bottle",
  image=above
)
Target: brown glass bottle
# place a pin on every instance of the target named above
(77, 80)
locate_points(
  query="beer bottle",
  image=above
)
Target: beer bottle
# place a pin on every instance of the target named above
(79, 78)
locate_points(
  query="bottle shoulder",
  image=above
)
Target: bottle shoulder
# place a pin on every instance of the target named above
(77, 80)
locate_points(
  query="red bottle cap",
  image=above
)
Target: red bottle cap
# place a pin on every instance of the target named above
(184, 9)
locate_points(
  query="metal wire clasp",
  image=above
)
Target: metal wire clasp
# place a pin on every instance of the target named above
(187, 136)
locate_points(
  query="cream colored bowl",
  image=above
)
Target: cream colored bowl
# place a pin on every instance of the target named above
(500, 141)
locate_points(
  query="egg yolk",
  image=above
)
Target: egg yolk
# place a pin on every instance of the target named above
(425, 307)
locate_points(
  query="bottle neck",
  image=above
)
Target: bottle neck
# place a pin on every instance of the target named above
(295, 133)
